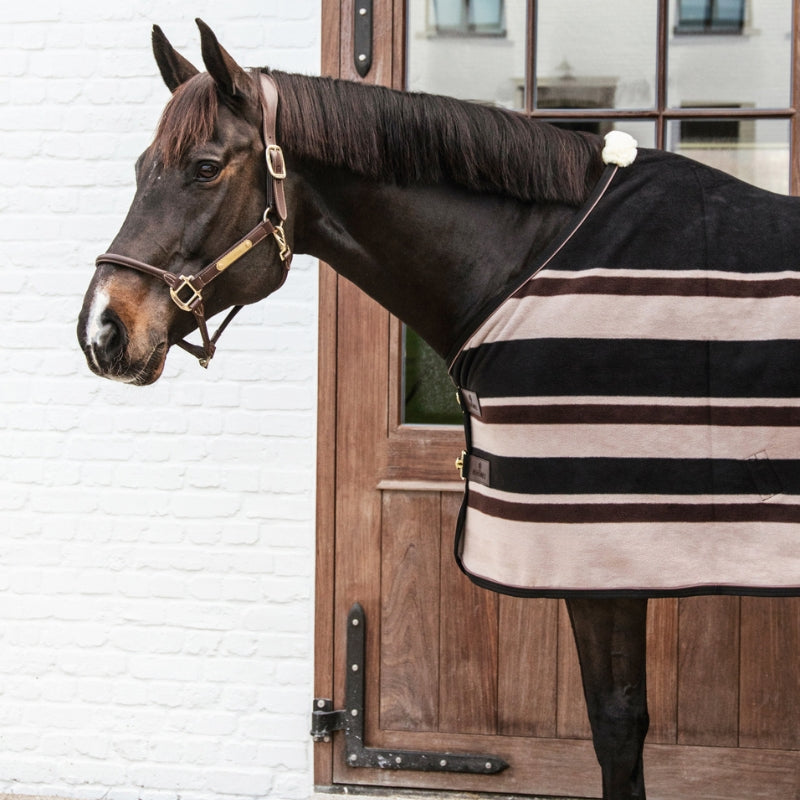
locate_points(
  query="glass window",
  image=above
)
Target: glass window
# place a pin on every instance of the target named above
(710, 16)
(596, 55)
(468, 17)
(472, 50)
(429, 396)
(755, 150)
(748, 71)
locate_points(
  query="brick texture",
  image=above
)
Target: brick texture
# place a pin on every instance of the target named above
(156, 544)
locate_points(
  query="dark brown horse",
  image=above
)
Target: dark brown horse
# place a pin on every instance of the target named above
(432, 206)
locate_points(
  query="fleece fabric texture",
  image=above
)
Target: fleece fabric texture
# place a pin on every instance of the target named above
(632, 411)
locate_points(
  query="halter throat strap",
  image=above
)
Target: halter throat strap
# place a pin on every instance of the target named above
(186, 291)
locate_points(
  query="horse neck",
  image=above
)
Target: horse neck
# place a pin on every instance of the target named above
(431, 254)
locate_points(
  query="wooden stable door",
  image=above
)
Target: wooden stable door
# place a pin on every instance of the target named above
(451, 667)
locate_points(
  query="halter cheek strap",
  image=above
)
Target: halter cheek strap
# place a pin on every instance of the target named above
(186, 291)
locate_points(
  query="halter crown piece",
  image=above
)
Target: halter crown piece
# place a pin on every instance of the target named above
(186, 291)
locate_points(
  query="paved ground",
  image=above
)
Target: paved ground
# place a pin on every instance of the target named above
(390, 794)
(362, 794)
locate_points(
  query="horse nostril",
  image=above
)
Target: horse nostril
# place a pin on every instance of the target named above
(110, 340)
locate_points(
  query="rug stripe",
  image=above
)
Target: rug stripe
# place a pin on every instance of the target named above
(610, 316)
(643, 475)
(640, 414)
(644, 367)
(576, 439)
(665, 284)
(593, 513)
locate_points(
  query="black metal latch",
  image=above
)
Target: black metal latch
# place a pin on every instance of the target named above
(324, 721)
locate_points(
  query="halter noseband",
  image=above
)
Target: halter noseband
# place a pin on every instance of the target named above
(186, 291)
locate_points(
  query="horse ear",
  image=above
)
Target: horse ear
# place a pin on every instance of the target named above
(174, 68)
(230, 78)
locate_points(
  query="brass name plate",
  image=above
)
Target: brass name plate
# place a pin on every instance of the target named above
(234, 255)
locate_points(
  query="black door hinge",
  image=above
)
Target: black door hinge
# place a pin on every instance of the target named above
(325, 720)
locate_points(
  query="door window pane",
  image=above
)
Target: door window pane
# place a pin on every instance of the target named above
(749, 69)
(471, 49)
(755, 150)
(589, 56)
(429, 396)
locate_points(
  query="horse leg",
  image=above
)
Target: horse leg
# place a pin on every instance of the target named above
(610, 636)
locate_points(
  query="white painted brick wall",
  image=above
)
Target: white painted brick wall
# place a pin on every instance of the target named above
(156, 544)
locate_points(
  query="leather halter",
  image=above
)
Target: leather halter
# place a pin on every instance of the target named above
(186, 291)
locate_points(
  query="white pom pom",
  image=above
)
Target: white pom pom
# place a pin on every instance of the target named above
(620, 149)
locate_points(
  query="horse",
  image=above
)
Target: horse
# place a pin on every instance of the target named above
(432, 206)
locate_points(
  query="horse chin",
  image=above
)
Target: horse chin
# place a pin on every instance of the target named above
(149, 370)
(141, 372)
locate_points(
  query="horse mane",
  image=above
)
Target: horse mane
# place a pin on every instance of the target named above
(407, 137)
(403, 138)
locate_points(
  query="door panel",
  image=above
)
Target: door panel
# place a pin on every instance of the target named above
(708, 691)
(527, 688)
(770, 678)
(453, 667)
(409, 614)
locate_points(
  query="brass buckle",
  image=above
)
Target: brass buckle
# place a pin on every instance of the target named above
(460, 463)
(191, 303)
(279, 173)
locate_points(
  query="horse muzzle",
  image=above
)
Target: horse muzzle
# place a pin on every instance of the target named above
(112, 349)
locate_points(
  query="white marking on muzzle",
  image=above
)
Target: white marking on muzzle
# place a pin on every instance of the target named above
(94, 325)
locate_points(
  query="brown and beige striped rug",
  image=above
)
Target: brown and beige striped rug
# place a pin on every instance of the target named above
(633, 409)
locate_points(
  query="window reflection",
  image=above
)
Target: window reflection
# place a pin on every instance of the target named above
(471, 49)
(428, 393)
(755, 150)
(710, 16)
(468, 17)
(596, 55)
(751, 69)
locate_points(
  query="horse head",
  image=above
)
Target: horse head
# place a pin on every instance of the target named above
(203, 183)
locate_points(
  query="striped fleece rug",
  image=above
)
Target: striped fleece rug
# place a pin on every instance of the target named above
(633, 409)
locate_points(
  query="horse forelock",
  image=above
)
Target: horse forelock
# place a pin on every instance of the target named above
(188, 119)
(407, 138)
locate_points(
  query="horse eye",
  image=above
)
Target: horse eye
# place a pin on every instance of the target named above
(206, 171)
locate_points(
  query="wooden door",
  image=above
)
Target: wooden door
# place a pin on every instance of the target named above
(453, 667)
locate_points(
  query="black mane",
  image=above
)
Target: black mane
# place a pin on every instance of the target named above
(405, 138)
